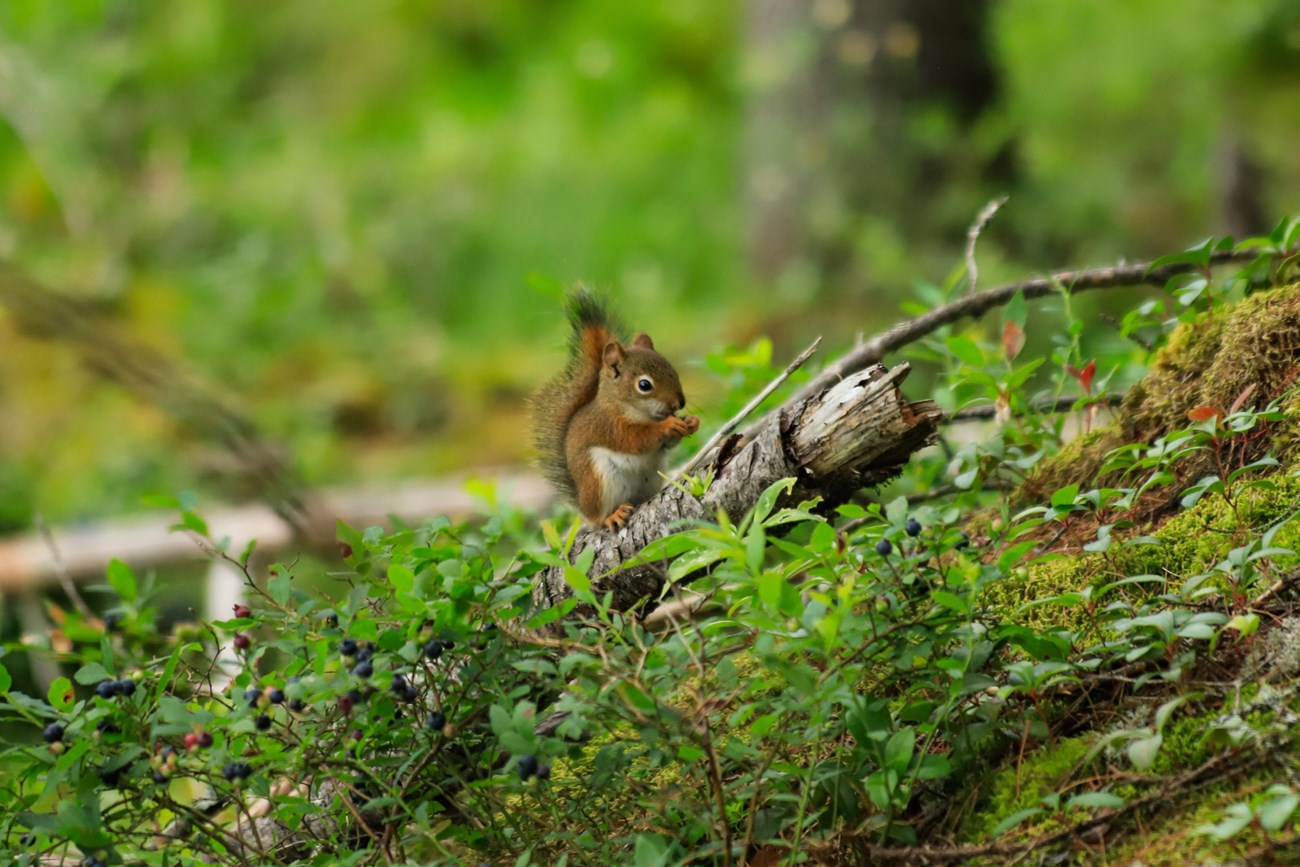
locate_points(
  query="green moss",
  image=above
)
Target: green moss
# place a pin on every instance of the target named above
(1019, 788)
(1042, 580)
(1167, 839)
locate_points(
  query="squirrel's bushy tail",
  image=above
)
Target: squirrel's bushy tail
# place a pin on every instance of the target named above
(555, 404)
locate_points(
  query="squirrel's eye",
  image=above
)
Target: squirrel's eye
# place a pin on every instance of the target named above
(645, 385)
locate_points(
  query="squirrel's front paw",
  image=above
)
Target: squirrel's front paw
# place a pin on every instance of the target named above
(618, 517)
(684, 426)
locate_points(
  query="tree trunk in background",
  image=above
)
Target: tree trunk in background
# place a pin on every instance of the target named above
(1240, 182)
(783, 113)
(836, 89)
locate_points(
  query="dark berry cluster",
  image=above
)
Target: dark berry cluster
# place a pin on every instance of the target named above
(114, 688)
(237, 771)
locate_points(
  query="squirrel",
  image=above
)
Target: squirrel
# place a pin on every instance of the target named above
(604, 425)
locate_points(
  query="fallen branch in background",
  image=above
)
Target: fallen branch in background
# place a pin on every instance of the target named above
(49, 315)
(987, 411)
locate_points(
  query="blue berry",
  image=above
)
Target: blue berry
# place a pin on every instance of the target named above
(263, 722)
(252, 695)
(126, 688)
(437, 720)
(236, 771)
(912, 527)
(527, 767)
(276, 696)
(348, 647)
(106, 689)
(53, 732)
(884, 547)
(433, 649)
(363, 669)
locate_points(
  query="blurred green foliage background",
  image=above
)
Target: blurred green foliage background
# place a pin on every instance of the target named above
(353, 219)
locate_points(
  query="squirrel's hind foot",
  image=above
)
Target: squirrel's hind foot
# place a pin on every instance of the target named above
(618, 517)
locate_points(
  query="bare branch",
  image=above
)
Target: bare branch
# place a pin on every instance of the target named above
(973, 234)
(725, 431)
(1060, 404)
(978, 303)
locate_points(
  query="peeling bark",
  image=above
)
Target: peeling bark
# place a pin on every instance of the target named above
(857, 433)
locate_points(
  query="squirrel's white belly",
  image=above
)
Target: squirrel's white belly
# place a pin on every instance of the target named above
(626, 478)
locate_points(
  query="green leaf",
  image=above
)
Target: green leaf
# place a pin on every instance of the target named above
(767, 500)
(191, 521)
(1142, 752)
(1065, 496)
(401, 578)
(966, 350)
(1096, 801)
(1237, 818)
(948, 600)
(899, 748)
(122, 580)
(1274, 813)
(651, 851)
(1017, 310)
(6, 679)
(577, 580)
(92, 672)
(61, 693)
(1013, 820)
(280, 586)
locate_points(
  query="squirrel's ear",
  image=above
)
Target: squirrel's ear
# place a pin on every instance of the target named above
(643, 341)
(613, 356)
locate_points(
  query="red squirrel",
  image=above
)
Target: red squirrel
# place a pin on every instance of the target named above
(604, 425)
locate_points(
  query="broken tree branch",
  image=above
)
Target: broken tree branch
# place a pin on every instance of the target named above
(734, 422)
(857, 434)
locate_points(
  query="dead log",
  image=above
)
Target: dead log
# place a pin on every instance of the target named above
(857, 433)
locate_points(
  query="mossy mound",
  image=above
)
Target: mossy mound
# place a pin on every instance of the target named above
(1232, 357)
(1251, 349)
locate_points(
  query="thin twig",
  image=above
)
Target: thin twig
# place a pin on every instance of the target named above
(973, 235)
(61, 571)
(725, 431)
(1060, 404)
(978, 303)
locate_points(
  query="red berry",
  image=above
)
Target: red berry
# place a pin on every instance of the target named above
(242, 641)
(205, 739)
(345, 703)
(191, 741)
(242, 610)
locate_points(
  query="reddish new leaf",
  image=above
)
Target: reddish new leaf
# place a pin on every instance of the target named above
(1084, 376)
(1013, 339)
(1204, 413)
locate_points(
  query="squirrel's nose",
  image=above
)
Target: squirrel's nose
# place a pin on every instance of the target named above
(681, 402)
